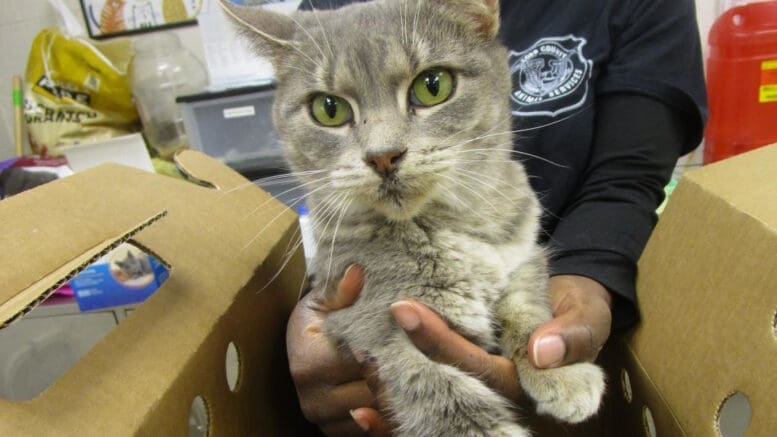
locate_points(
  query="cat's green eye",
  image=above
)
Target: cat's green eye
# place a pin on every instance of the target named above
(431, 87)
(330, 111)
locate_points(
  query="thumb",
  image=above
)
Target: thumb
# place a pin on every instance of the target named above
(580, 327)
(561, 341)
(346, 292)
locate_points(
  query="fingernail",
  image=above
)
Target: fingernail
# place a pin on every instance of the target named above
(353, 275)
(360, 420)
(360, 355)
(549, 351)
(406, 315)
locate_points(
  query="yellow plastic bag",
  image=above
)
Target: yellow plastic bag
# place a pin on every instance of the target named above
(77, 91)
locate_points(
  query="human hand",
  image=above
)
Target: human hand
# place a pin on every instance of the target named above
(581, 325)
(328, 384)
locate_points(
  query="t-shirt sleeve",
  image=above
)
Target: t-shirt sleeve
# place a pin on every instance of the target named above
(656, 51)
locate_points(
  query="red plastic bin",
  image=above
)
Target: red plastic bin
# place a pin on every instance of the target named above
(742, 81)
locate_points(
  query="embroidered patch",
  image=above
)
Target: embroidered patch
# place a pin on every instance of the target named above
(550, 77)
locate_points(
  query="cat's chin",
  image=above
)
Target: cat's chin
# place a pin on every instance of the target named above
(406, 209)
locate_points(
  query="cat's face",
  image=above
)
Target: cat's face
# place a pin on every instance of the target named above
(379, 101)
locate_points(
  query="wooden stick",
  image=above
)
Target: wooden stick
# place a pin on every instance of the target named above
(18, 116)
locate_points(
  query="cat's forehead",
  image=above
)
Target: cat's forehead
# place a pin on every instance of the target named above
(375, 41)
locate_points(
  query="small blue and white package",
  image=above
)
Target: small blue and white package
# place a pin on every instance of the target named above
(124, 276)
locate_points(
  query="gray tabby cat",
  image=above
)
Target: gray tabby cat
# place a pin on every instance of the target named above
(395, 114)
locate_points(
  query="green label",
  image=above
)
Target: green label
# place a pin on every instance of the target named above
(18, 100)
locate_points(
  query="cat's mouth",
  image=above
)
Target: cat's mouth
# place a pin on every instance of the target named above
(400, 201)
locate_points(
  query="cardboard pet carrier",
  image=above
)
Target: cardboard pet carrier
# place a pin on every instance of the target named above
(703, 361)
(233, 282)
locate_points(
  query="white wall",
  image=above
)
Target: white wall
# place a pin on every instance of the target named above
(20, 21)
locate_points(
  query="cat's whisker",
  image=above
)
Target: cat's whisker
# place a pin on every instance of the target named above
(482, 179)
(323, 29)
(343, 208)
(268, 179)
(329, 214)
(295, 188)
(281, 213)
(444, 146)
(554, 122)
(415, 23)
(290, 175)
(515, 152)
(236, 188)
(470, 189)
(312, 39)
(286, 260)
(463, 204)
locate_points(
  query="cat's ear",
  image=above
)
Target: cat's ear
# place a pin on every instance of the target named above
(270, 33)
(482, 16)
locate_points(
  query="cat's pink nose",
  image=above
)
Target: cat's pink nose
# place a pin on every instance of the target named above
(385, 163)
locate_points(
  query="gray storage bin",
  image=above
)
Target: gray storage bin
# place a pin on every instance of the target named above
(234, 126)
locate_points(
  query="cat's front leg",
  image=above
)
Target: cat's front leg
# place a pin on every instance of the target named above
(569, 393)
(426, 398)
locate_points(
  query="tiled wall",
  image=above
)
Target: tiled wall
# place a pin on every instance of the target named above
(20, 21)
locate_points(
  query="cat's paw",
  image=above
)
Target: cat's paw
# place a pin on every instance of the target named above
(569, 393)
(509, 430)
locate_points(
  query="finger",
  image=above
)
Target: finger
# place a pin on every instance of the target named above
(432, 336)
(329, 404)
(371, 421)
(346, 292)
(342, 428)
(314, 359)
(579, 329)
(371, 376)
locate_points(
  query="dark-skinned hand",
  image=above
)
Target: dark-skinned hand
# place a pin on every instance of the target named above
(340, 395)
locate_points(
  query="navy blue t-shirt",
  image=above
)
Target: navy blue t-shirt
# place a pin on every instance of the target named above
(606, 95)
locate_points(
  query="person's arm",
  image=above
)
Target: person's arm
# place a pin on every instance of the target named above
(637, 142)
(650, 109)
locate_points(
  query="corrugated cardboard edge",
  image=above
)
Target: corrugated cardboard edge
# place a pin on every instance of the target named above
(26, 300)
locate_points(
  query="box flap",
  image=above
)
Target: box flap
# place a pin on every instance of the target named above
(706, 293)
(15, 303)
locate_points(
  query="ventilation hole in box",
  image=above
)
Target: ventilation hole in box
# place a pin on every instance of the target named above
(649, 423)
(626, 385)
(199, 418)
(233, 367)
(733, 415)
(774, 325)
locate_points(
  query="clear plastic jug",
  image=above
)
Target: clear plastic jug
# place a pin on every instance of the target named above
(161, 71)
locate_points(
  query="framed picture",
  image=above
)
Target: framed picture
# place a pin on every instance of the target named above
(109, 18)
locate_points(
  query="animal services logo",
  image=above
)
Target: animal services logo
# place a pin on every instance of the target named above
(551, 77)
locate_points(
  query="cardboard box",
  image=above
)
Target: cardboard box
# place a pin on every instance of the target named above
(707, 295)
(225, 241)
